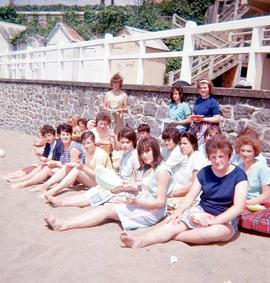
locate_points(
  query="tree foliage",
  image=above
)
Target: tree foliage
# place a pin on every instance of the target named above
(8, 14)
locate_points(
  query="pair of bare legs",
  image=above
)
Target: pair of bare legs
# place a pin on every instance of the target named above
(13, 175)
(20, 175)
(94, 217)
(80, 200)
(66, 176)
(165, 232)
(160, 233)
(37, 178)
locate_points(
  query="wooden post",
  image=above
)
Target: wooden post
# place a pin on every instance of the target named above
(81, 65)
(60, 69)
(28, 73)
(211, 67)
(106, 61)
(254, 72)
(43, 65)
(188, 48)
(236, 10)
(140, 74)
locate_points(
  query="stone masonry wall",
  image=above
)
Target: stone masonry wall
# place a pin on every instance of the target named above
(27, 105)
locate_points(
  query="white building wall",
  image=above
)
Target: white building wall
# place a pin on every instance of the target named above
(58, 38)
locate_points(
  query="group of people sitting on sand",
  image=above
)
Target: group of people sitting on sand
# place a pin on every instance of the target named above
(195, 185)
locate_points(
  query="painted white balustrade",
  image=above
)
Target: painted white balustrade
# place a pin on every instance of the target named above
(91, 61)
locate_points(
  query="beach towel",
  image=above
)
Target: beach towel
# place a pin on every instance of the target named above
(255, 221)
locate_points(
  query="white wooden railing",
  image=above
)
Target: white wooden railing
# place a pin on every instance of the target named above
(90, 61)
(232, 10)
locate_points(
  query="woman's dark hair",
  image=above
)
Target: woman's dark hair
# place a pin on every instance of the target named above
(64, 128)
(88, 134)
(191, 138)
(214, 129)
(218, 142)
(171, 133)
(47, 129)
(143, 128)
(144, 145)
(117, 78)
(103, 116)
(180, 90)
(129, 134)
(83, 121)
(251, 140)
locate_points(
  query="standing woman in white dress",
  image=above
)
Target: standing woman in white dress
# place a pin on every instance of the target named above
(116, 101)
(143, 210)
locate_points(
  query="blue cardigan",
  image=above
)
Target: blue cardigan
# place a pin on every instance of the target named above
(57, 151)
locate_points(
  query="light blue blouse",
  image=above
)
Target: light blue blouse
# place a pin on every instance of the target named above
(179, 112)
(258, 175)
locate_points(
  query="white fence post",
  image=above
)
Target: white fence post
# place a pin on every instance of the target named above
(13, 69)
(81, 64)
(211, 67)
(235, 13)
(28, 73)
(60, 64)
(254, 72)
(43, 66)
(188, 48)
(170, 82)
(140, 75)
(106, 62)
(6, 67)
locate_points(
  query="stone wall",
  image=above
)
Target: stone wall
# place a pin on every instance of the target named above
(27, 105)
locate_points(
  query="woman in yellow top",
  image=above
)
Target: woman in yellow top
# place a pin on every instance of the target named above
(116, 101)
(84, 173)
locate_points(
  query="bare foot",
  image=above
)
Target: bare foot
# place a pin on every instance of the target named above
(130, 241)
(201, 218)
(4, 177)
(52, 222)
(40, 188)
(42, 196)
(52, 200)
(18, 186)
(12, 180)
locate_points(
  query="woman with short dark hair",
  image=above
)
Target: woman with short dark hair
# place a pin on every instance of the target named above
(185, 176)
(179, 110)
(105, 138)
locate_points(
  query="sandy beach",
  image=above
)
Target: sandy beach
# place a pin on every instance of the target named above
(30, 252)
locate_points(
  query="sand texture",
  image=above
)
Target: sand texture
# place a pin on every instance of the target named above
(30, 252)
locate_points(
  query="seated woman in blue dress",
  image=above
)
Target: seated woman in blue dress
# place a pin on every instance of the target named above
(223, 187)
(179, 110)
(206, 110)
